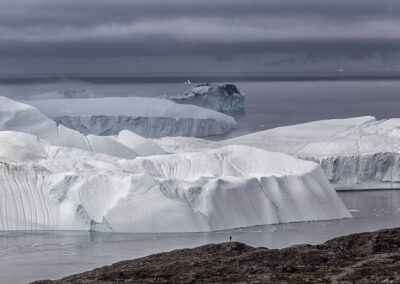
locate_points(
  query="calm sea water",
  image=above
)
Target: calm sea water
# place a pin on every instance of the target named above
(28, 256)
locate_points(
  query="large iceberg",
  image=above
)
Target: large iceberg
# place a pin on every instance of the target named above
(360, 152)
(46, 187)
(222, 97)
(15, 116)
(355, 153)
(149, 117)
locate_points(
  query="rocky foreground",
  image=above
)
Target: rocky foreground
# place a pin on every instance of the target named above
(362, 258)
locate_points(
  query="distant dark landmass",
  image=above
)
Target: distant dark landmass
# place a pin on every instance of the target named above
(147, 78)
(357, 258)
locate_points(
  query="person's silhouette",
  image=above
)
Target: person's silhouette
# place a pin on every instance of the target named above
(230, 238)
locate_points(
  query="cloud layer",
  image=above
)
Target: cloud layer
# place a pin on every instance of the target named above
(274, 30)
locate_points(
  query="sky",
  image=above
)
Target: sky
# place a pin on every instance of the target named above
(141, 36)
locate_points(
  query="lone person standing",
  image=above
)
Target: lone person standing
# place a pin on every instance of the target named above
(230, 238)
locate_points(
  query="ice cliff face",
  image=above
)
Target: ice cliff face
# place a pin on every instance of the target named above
(364, 171)
(145, 126)
(225, 97)
(51, 187)
(15, 116)
(149, 117)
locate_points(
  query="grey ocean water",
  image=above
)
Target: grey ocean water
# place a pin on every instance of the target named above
(28, 256)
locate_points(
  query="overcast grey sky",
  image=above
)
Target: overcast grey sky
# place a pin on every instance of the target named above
(198, 35)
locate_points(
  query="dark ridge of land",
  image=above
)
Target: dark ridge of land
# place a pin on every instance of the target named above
(357, 258)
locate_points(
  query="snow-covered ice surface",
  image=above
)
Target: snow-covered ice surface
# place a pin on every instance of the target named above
(149, 117)
(57, 188)
(355, 153)
(65, 94)
(219, 97)
(15, 116)
(185, 144)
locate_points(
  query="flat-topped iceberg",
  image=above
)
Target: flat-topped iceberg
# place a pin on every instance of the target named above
(15, 116)
(149, 117)
(219, 97)
(354, 153)
(45, 187)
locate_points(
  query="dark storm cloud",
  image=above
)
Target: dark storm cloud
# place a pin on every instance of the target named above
(357, 49)
(91, 12)
(216, 28)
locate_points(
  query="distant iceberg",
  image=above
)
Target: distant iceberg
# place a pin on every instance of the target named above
(149, 117)
(46, 187)
(222, 97)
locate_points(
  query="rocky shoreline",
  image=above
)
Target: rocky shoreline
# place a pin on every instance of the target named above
(357, 258)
